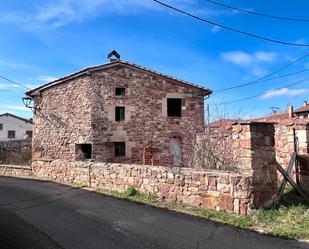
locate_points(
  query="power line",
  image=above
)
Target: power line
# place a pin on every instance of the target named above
(259, 81)
(258, 13)
(270, 74)
(229, 28)
(15, 83)
(259, 95)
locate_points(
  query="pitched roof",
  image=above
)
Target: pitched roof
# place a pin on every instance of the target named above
(113, 64)
(302, 109)
(14, 116)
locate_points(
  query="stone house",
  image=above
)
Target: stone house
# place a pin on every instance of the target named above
(301, 112)
(117, 112)
(13, 127)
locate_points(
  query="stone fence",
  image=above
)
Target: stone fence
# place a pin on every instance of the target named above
(213, 190)
(10, 170)
(254, 187)
(15, 152)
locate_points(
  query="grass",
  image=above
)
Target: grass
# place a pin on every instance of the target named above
(288, 219)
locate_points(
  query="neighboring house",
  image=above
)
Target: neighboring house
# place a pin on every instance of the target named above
(302, 112)
(13, 127)
(117, 112)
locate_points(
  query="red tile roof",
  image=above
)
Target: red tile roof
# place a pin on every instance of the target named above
(302, 109)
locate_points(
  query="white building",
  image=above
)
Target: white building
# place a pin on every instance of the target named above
(14, 128)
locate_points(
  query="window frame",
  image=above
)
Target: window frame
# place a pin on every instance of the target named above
(120, 116)
(11, 132)
(79, 149)
(120, 88)
(168, 106)
(119, 151)
(29, 132)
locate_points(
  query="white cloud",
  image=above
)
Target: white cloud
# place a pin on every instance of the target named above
(237, 57)
(55, 14)
(4, 86)
(215, 29)
(242, 58)
(46, 78)
(284, 92)
(265, 56)
(14, 107)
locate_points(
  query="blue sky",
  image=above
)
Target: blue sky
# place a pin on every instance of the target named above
(43, 40)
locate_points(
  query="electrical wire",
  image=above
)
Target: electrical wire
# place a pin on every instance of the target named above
(257, 13)
(229, 28)
(15, 83)
(259, 81)
(260, 95)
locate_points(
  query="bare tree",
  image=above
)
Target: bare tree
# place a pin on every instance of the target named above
(213, 149)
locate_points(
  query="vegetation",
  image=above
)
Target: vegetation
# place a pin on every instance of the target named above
(289, 219)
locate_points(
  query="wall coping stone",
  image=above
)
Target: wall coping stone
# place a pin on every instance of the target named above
(93, 165)
(15, 166)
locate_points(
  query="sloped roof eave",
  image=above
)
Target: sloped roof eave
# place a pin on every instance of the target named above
(35, 91)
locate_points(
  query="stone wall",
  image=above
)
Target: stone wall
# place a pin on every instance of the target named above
(254, 149)
(210, 189)
(10, 170)
(82, 110)
(255, 185)
(15, 152)
(290, 137)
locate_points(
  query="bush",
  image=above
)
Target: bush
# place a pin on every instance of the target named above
(131, 191)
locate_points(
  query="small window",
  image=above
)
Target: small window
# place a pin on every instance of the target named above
(119, 113)
(29, 134)
(83, 151)
(120, 91)
(120, 148)
(1, 127)
(174, 107)
(11, 134)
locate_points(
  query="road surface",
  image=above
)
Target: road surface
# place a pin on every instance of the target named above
(38, 214)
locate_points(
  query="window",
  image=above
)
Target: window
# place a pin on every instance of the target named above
(83, 151)
(29, 134)
(120, 148)
(119, 113)
(120, 91)
(11, 134)
(1, 127)
(174, 107)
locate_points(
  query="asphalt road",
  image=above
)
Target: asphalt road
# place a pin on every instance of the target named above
(37, 215)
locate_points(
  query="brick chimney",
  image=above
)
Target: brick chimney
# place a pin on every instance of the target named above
(305, 103)
(290, 111)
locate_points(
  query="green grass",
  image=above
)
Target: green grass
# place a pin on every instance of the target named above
(289, 218)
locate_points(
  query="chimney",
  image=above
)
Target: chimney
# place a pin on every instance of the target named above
(290, 111)
(305, 103)
(113, 56)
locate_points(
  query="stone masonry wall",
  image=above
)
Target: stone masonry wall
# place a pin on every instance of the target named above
(10, 170)
(82, 110)
(291, 137)
(255, 152)
(15, 152)
(252, 188)
(213, 190)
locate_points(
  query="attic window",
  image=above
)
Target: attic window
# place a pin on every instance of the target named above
(83, 151)
(120, 91)
(174, 107)
(119, 113)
